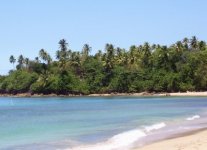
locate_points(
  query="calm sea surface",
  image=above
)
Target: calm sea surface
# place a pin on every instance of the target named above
(60, 123)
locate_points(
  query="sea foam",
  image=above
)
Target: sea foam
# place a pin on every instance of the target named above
(193, 118)
(155, 127)
(122, 141)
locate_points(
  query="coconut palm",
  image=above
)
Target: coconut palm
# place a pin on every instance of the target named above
(37, 59)
(202, 45)
(132, 55)
(63, 53)
(26, 61)
(21, 61)
(98, 55)
(185, 43)
(120, 56)
(164, 57)
(109, 57)
(194, 43)
(43, 54)
(146, 51)
(63, 45)
(179, 46)
(48, 59)
(12, 60)
(86, 50)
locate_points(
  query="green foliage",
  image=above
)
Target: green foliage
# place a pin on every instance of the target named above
(93, 75)
(144, 68)
(18, 81)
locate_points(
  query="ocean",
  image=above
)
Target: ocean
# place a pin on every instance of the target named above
(96, 123)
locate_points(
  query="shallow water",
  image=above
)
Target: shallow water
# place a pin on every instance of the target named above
(59, 123)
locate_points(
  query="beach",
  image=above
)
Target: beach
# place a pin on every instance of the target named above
(144, 94)
(196, 141)
(155, 94)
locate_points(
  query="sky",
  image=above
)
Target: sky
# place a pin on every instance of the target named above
(26, 26)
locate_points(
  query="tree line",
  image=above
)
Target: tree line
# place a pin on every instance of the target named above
(179, 67)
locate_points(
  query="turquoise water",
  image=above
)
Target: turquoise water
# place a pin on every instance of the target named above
(59, 123)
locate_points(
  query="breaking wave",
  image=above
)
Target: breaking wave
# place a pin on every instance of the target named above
(122, 141)
(155, 127)
(193, 118)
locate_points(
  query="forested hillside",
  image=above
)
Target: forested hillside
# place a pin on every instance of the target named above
(144, 68)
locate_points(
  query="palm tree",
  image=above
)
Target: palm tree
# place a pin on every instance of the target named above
(63, 52)
(43, 54)
(154, 46)
(75, 58)
(48, 59)
(146, 50)
(194, 43)
(120, 56)
(179, 46)
(21, 61)
(43, 78)
(98, 55)
(63, 45)
(132, 55)
(26, 61)
(118, 51)
(12, 60)
(76, 63)
(164, 57)
(86, 50)
(109, 57)
(37, 59)
(185, 43)
(202, 45)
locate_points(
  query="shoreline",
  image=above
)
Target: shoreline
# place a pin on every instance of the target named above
(195, 140)
(154, 94)
(147, 145)
(142, 94)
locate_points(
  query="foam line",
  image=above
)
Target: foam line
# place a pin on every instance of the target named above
(193, 118)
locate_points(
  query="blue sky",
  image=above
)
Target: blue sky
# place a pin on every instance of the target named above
(26, 26)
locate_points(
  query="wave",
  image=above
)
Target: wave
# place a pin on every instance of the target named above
(122, 141)
(155, 127)
(193, 118)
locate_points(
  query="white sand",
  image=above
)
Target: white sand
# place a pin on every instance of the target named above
(196, 141)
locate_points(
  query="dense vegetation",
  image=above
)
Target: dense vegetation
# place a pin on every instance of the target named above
(144, 68)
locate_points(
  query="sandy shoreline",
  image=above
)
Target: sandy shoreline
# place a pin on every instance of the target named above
(195, 141)
(154, 94)
(143, 94)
